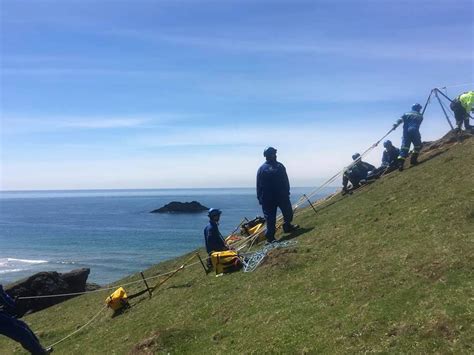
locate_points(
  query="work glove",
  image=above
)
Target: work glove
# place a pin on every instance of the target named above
(396, 124)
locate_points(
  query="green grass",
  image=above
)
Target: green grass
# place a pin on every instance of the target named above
(388, 269)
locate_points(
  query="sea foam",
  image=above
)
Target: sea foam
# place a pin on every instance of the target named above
(25, 261)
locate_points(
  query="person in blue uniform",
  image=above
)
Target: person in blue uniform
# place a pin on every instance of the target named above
(357, 174)
(273, 192)
(212, 236)
(390, 156)
(16, 329)
(411, 135)
(389, 161)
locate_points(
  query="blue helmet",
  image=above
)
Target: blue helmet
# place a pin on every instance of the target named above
(269, 151)
(387, 143)
(416, 107)
(355, 156)
(214, 212)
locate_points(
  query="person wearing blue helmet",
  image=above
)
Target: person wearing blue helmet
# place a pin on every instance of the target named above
(16, 329)
(389, 156)
(273, 192)
(411, 135)
(357, 173)
(212, 236)
(389, 161)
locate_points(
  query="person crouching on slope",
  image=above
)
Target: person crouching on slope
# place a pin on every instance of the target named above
(389, 157)
(273, 191)
(16, 329)
(461, 106)
(212, 236)
(411, 134)
(357, 174)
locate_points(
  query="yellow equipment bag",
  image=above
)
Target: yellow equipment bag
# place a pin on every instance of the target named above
(254, 227)
(226, 261)
(117, 300)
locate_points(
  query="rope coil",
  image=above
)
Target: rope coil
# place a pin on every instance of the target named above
(256, 258)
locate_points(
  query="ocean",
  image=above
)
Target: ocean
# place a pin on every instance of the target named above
(109, 231)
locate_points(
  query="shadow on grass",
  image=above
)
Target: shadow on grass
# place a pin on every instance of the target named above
(120, 311)
(429, 157)
(185, 285)
(295, 234)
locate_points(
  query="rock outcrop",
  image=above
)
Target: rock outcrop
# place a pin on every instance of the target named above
(181, 207)
(48, 283)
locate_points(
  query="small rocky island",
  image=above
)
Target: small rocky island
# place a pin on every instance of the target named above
(181, 207)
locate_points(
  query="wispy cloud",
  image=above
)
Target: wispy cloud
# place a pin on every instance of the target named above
(104, 123)
(54, 71)
(12, 124)
(309, 151)
(408, 49)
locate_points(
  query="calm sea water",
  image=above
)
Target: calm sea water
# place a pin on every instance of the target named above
(109, 231)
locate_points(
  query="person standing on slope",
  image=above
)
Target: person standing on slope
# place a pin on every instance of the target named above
(273, 191)
(411, 135)
(461, 106)
(16, 329)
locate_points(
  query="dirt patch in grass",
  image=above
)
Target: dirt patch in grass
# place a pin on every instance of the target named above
(433, 270)
(446, 141)
(148, 346)
(442, 327)
(280, 258)
(401, 330)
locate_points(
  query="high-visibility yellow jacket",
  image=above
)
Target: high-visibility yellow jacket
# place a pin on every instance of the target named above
(467, 100)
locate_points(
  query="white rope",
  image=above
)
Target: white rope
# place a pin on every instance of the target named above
(303, 199)
(107, 288)
(257, 257)
(78, 330)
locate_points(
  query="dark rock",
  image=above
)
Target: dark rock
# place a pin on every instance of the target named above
(47, 283)
(181, 207)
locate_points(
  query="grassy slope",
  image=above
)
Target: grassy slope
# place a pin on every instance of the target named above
(387, 269)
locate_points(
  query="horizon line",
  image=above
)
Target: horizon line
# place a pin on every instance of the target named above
(145, 189)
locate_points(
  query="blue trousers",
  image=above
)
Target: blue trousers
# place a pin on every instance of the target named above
(269, 210)
(19, 331)
(410, 137)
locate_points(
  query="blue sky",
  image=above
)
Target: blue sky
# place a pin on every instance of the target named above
(156, 94)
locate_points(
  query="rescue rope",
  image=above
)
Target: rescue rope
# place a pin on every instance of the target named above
(174, 273)
(304, 199)
(257, 257)
(79, 329)
(111, 287)
(252, 262)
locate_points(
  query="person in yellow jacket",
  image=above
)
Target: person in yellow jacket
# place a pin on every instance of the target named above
(461, 106)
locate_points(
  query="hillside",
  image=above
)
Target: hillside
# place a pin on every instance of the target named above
(387, 269)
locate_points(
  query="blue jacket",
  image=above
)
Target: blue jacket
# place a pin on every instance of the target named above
(361, 170)
(213, 238)
(390, 156)
(272, 183)
(7, 304)
(411, 121)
